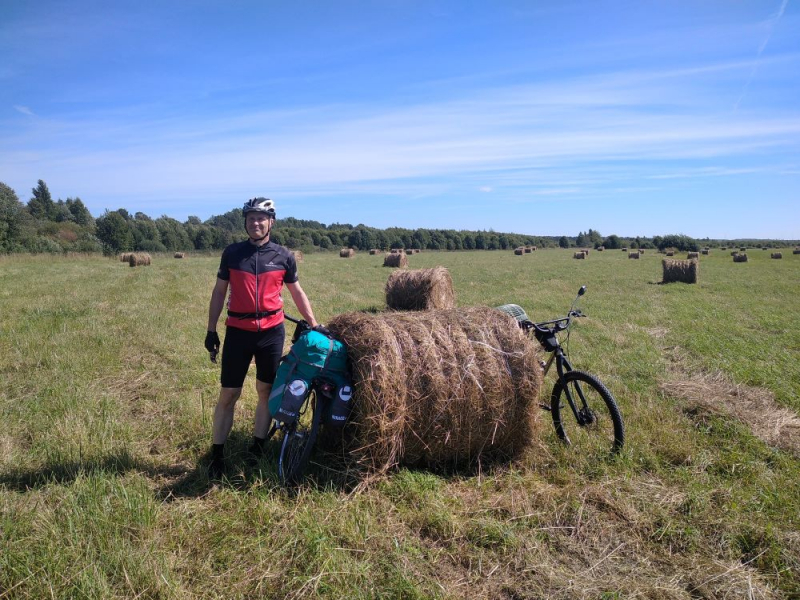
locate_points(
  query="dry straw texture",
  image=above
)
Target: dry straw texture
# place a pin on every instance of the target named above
(347, 253)
(601, 248)
(682, 271)
(440, 388)
(693, 255)
(298, 256)
(125, 257)
(641, 250)
(527, 249)
(776, 255)
(633, 255)
(395, 260)
(704, 251)
(420, 289)
(579, 255)
(740, 258)
(519, 251)
(179, 255)
(139, 259)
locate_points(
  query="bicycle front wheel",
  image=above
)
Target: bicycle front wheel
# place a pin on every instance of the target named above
(586, 415)
(298, 441)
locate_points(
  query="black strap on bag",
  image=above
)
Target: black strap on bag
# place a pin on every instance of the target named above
(253, 315)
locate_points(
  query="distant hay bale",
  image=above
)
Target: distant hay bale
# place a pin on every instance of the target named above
(740, 258)
(633, 255)
(776, 255)
(669, 253)
(796, 251)
(580, 255)
(693, 255)
(125, 257)
(601, 248)
(527, 249)
(179, 255)
(734, 252)
(519, 251)
(742, 249)
(395, 260)
(586, 252)
(704, 251)
(298, 256)
(139, 259)
(347, 253)
(624, 249)
(420, 289)
(682, 271)
(375, 251)
(440, 388)
(641, 250)
(396, 250)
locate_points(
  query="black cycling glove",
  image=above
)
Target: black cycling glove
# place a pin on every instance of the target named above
(212, 342)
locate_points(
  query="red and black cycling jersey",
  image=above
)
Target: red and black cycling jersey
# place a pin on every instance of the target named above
(256, 275)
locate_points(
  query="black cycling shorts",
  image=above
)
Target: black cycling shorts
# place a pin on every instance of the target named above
(241, 346)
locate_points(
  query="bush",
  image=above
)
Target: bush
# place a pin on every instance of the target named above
(151, 246)
(44, 245)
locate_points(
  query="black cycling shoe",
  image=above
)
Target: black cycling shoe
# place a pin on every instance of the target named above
(216, 469)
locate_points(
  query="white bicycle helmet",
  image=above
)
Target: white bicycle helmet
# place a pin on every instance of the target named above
(260, 204)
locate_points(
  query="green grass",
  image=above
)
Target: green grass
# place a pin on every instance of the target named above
(106, 403)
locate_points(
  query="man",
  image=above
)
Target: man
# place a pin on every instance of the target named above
(256, 271)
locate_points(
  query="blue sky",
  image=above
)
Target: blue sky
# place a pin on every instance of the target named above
(550, 118)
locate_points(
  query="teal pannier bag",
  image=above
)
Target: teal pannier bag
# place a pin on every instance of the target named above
(314, 354)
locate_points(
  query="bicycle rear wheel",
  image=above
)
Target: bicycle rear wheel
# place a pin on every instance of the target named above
(598, 427)
(298, 441)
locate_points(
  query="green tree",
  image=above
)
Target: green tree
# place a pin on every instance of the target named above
(114, 233)
(563, 242)
(11, 219)
(41, 205)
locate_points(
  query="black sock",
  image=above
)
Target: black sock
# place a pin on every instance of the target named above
(217, 451)
(258, 443)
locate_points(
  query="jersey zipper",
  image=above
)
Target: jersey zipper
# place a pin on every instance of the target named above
(258, 321)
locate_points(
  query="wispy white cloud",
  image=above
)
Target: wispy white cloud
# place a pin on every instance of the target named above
(24, 110)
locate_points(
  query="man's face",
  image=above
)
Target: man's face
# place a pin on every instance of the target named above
(257, 224)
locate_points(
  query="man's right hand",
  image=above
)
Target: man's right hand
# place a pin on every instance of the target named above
(212, 343)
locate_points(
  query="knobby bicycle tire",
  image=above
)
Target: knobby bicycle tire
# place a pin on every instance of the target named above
(603, 429)
(299, 440)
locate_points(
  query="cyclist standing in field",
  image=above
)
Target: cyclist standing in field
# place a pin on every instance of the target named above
(255, 270)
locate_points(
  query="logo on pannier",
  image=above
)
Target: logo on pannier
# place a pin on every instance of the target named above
(298, 387)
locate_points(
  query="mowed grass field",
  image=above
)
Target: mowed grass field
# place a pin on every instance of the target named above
(106, 402)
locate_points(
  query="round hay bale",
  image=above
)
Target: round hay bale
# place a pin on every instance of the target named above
(776, 255)
(298, 256)
(624, 249)
(641, 250)
(682, 271)
(669, 253)
(705, 251)
(125, 257)
(600, 248)
(179, 255)
(742, 249)
(519, 251)
(347, 253)
(439, 388)
(420, 289)
(633, 255)
(796, 251)
(395, 260)
(374, 251)
(579, 255)
(734, 252)
(527, 249)
(740, 258)
(693, 255)
(139, 259)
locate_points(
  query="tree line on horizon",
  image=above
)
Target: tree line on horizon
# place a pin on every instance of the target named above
(47, 226)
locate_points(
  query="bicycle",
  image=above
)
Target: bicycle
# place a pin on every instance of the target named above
(585, 394)
(300, 435)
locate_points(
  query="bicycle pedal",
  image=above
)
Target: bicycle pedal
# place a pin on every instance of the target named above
(545, 407)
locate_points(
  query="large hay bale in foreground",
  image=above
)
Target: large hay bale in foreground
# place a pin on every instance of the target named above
(139, 259)
(420, 289)
(439, 388)
(740, 258)
(776, 255)
(395, 260)
(347, 253)
(682, 271)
